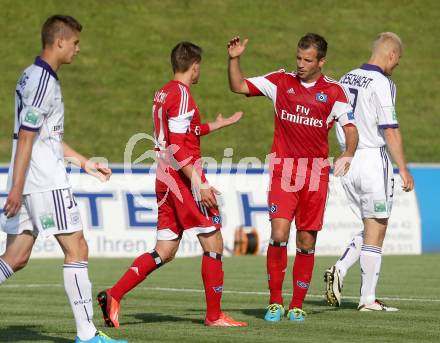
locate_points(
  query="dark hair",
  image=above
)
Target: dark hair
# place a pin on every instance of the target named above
(315, 40)
(183, 55)
(55, 25)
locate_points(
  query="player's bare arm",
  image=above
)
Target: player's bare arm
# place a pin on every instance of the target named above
(207, 192)
(395, 147)
(342, 163)
(187, 167)
(237, 84)
(21, 163)
(98, 170)
(221, 122)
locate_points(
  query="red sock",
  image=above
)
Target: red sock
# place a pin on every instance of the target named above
(212, 275)
(276, 269)
(141, 267)
(302, 275)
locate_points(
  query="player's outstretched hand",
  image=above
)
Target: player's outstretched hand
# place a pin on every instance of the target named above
(236, 47)
(222, 122)
(98, 170)
(13, 202)
(407, 179)
(342, 165)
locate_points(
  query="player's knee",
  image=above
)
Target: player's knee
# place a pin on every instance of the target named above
(166, 255)
(77, 251)
(279, 236)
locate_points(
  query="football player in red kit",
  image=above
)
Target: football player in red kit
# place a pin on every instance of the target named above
(306, 104)
(186, 202)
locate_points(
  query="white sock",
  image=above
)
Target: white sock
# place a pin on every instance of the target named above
(5, 271)
(351, 254)
(79, 292)
(371, 259)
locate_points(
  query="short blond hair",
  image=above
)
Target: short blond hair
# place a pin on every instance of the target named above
(386, 41)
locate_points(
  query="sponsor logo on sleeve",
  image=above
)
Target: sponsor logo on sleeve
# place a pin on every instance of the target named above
(32, 117)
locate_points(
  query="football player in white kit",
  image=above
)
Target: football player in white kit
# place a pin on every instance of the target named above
(40, 199)
(369, 182)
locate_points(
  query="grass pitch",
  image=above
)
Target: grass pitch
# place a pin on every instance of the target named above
(169, 305)
(125, 47)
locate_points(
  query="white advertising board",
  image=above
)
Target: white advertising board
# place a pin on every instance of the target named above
(119, 216)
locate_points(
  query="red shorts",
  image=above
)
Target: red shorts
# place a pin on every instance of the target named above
(178, 213)
(298, 198)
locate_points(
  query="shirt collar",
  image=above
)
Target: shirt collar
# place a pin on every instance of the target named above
(372, 67)
(39, 62)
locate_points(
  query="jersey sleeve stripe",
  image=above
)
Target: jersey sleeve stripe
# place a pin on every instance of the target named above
(186, 100)
(183, 101)
(389, 126)
(27, 128)
(393, 91)
(43, 93)
(41, 85)
(38, 88)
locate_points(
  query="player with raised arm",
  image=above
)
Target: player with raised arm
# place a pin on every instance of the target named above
(369, 183)
(40, 199)
(306, 105)
(186, 202)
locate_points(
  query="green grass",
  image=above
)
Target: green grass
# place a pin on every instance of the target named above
(34, 308)
(125, 57)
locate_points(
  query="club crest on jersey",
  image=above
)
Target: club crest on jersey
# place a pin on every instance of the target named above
(216, 219)
(321, 97)
(273, 208)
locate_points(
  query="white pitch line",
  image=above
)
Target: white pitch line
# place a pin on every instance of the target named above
(193, 290)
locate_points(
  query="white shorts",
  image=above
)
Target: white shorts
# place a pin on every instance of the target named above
(369, 183)
(46, 213)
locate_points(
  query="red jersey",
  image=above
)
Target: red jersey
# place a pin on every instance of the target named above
(303, 116)
(177, 130)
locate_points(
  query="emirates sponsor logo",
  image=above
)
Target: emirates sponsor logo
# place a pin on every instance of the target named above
(298, 118)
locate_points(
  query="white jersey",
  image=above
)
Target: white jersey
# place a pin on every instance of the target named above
(39, 107)
(373, 97)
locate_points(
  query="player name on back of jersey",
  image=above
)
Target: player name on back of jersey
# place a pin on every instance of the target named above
(301, 117)
(356, 80)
